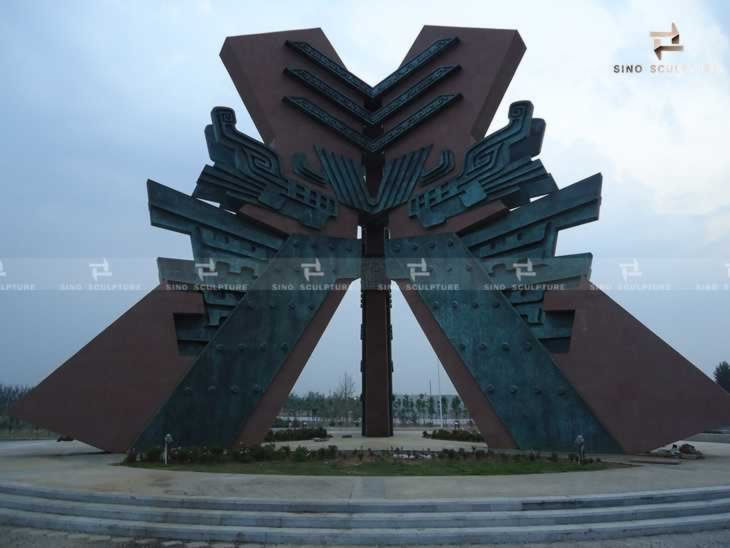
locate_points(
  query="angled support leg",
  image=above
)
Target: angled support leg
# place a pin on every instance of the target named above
(242, 376)
(494, 359)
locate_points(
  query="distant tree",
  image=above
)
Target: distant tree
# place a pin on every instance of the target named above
(456, 406)
(722, 375)
(420, 405)
(431, 408)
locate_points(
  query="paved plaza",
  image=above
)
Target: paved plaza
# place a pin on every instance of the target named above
(74, 465)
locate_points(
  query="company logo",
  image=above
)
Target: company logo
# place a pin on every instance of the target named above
(524, 269)
(418, 269)
(206, 270)
(630, 270)
(662, 42)
(659, 46)
(99, 270)
(312, 270)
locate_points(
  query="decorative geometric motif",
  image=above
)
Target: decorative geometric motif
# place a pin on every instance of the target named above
(372, 113)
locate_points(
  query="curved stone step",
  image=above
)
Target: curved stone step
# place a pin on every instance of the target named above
(459, 536)
(352, 506)
(395, 520)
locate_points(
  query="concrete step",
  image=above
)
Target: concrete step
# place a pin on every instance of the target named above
(373, 536)
(339, 520)
(353, 506)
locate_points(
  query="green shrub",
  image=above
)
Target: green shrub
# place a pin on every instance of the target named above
(300, 454)
(296, 434)
(152, 455)
(455, 435)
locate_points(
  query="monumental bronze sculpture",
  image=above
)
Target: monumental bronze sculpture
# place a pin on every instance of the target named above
(466, 225)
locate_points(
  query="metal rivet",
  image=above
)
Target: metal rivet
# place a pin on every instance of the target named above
(241, 347)
(454, 304)
(450, 243)
(211, 388)
(490, 388)
(284, 347)
(462, 346)
(527, 346)
(505, 346)
(262, 346)
(255, 277)
(219, 347)
(331, 245)
(396, 247)
(436, 305)
(468, 268)
(475, 305)
(538, 390)
(495, 304)
(513, 389)
(234, 389)
(348, 248)
(292, 306)
(562, 391)
(432, 245)
(256, 388)
(188, 391)
(295, 243)
(310, 306)
(414, 247)
(482, 346)
(449, 268)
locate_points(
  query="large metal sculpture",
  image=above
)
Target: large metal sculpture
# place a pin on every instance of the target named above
(465, 224)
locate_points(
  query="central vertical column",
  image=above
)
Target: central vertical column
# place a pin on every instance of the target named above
(376, 331)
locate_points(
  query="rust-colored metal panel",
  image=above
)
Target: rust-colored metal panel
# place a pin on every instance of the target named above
(256, 64)
(106, 392)
(643, 391)
(488, 59)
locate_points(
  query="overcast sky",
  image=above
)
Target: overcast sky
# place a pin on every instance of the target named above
(97, 97)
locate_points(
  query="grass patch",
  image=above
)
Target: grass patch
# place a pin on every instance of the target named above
(387, 466)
